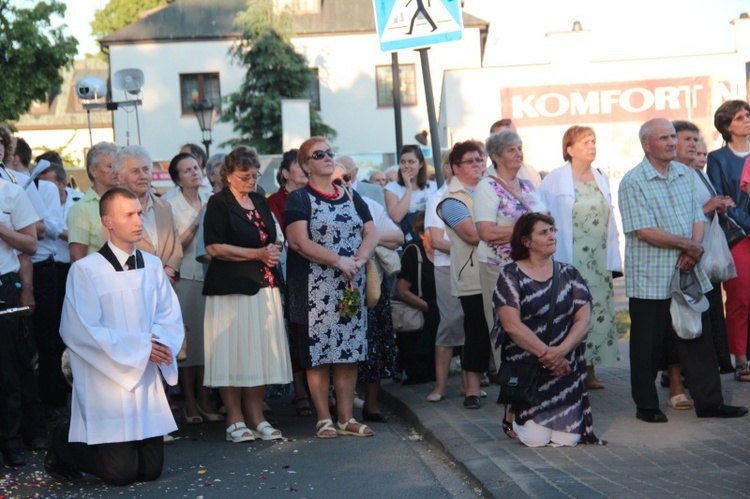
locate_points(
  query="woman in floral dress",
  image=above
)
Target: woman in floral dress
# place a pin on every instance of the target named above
(501, 197)
(330, 240)
(580, 201)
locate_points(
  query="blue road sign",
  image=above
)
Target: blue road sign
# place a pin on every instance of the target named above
(409, 24)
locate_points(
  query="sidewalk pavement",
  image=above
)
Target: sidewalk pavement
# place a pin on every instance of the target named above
(686, 457)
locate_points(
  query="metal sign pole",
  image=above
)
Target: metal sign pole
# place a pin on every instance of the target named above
(397, 103)
(430, 99)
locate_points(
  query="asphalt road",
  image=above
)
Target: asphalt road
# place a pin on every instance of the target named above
(396, 462)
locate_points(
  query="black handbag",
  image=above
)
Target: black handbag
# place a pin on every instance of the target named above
(732, 231)
(519, 381)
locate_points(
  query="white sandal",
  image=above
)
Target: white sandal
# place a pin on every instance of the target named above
(265, 431)
(359, 433)
(238, 432)
(325, 429)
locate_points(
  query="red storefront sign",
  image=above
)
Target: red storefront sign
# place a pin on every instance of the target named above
(674, 98)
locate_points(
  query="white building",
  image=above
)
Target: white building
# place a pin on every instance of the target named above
(182, 48)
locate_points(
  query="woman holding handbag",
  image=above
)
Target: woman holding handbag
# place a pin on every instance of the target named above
(544, 309)
(724, 169)
(415, 287)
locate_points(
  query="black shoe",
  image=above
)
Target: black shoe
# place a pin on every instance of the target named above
(374, 417)
(37, 443)
(651, 415)
(13, 458)
(722, 411)
(472, 402)
(726, 368)
(52, 464)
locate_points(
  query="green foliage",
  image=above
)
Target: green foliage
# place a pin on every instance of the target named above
(69, 160)
(32, 52)
(259, 17)
(275, 71)
(119, 13)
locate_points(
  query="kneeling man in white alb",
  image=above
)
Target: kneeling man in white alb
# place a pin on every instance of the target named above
(122, 324)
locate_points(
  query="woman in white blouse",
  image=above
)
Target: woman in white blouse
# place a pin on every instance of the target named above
(187, 208)
(580, 201)
(408, 195)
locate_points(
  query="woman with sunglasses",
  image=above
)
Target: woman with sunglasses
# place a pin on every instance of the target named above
(330, 240)
(407, 197)
(245, 341)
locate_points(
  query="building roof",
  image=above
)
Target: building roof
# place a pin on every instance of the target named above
(185, 20)
(63, 109)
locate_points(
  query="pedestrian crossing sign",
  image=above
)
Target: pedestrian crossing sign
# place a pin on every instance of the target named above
(410, 24)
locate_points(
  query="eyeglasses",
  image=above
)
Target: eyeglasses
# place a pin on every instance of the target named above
(246, 178)
(478, 161)
(318, 155)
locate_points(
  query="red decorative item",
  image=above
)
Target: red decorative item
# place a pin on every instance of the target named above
(329, 197)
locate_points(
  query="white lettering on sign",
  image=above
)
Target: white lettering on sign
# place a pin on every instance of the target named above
(626, 101)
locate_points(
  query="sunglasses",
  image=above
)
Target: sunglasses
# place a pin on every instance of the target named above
(318, 155)
(343, 179)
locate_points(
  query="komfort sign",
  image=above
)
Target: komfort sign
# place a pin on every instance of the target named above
(639, 101)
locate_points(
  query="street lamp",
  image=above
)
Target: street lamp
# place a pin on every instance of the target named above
(206, 113)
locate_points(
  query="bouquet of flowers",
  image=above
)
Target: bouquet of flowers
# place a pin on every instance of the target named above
(351, 301)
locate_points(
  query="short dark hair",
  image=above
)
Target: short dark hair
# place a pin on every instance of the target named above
(59, 171)
(522, 230)
(287, 160)
(725, 114)
(422, 174)
(23, 151)
(198, 152)
(51, 156)
(242, 158)
(505, 122)
(461, 148)
(174, 173)
(111, 195)
(685, 126)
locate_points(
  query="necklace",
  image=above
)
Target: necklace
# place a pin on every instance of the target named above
(516, 186)
(329, 197)
(245, 203)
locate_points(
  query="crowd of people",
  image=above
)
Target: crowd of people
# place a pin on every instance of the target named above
(235, 290)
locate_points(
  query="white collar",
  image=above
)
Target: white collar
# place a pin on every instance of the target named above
(121, 255)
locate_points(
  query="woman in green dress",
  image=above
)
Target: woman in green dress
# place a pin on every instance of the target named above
(579, 199)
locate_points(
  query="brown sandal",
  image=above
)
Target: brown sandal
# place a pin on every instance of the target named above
(742, 373)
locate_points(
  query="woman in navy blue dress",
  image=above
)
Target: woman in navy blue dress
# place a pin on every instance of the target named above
(522, 298)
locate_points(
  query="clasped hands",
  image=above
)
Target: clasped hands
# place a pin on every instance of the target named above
(690, 257)
(349, 266)
(270, 255)
(553, 359)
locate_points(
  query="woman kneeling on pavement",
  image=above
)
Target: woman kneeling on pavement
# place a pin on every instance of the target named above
(562, 414)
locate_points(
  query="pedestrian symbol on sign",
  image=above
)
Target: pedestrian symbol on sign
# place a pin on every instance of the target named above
(423, 11)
